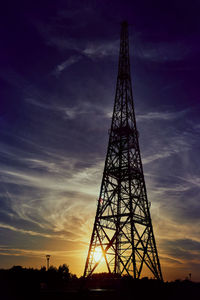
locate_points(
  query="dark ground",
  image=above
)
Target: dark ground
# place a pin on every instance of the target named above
(56, 284)
(166, 292)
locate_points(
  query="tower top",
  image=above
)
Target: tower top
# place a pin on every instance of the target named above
(124, 60)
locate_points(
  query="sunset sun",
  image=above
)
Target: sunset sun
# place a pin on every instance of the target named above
(98, 255)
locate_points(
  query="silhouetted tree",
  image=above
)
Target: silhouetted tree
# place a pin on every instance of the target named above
(64, 271)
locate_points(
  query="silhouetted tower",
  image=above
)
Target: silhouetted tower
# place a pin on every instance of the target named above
(48, 259)
(122, 237)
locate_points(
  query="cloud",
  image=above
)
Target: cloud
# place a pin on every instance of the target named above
(93, 48)
(66, 64)
(169, 146)
(159, 50)
(4, 250)
(163, 116)
(176, 146)
(103, 49)
(74, 112)
(186, 250)
(49, 205)
(30, 232)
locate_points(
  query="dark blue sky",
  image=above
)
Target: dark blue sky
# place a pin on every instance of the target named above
(58, 69)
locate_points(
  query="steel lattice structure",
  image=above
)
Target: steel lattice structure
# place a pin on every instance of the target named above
(123, 232)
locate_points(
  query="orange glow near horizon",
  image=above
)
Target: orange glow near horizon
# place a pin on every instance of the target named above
(73, 252)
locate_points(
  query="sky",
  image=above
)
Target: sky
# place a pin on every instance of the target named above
(58, 70)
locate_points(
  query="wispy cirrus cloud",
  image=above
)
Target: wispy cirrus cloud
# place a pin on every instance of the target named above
(163, 52)
(176, 144)
(183, 249)
(94, 50)
(101, 49)
(5, 250)
(74, 111)
(165, 116)
(66, 64)
(29, 232)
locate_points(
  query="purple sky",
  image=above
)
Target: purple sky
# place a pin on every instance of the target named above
(58, 69)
